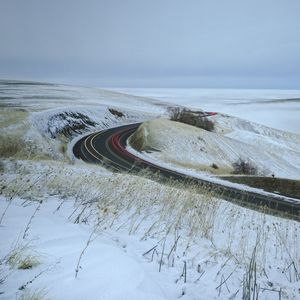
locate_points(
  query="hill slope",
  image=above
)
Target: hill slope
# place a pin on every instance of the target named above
(271, 151)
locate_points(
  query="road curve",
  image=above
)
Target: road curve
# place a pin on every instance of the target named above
(108, 147)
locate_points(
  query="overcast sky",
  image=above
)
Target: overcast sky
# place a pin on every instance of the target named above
(153, 43)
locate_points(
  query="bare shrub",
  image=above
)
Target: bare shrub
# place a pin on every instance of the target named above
(214, 166)
(116, 113)
(194, 118)
(242, 166)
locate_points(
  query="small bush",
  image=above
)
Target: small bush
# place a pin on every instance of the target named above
(214, 166)
(194, 118)
(116, 113)
(245, 167)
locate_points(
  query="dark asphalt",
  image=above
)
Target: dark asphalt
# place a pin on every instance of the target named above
(108, 147)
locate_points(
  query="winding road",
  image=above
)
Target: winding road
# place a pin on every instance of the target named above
(108, 147)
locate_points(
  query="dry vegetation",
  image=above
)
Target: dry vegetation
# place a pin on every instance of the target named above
(116, 113)
(40, 294)
(177, 218)
(22, 257)
(193, 118)
(11, 116)
(20, 140)
(244, 167)
(287, 187)
(11, 145)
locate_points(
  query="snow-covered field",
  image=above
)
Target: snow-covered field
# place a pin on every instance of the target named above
(274, 108)
(69, 230)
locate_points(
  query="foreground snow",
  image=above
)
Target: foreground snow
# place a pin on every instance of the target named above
(153, 241)
(111, 269)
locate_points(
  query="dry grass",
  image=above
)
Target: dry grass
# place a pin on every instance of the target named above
(10, 117)
(175, 216)
(22, 257)
(287, 187)
(19, 139)
(205, 168)
(137, 140)
(11, 145)
(39, 294)
(139, 205)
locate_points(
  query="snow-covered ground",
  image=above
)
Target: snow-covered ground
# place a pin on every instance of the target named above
(112, 268)
(70, 230)
(274, 108)
(139, 239)
(188, 147)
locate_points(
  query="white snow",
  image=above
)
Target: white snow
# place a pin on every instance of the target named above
(188, 147)
(110, 269)
(274, 108)
(196, 242)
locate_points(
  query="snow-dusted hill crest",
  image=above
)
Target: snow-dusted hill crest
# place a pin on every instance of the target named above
(40, 119)
(71, 122)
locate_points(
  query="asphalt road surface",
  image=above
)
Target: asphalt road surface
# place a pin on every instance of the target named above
(108, 147)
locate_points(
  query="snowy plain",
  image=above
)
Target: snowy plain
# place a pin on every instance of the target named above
(139, 239)
(274, 108)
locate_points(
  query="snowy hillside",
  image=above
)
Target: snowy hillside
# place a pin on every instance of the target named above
(185, 146)
(71, 230)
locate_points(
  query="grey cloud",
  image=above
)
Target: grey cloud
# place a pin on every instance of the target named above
(132, 41)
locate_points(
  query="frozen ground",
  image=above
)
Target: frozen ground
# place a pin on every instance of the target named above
(112, 269)
(187, 147)
(69, 230)
(139, 239)
(274, 108)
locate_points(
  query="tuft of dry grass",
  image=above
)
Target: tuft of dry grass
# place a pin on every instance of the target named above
(21, 257)
(39, 294)
(28, 262)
